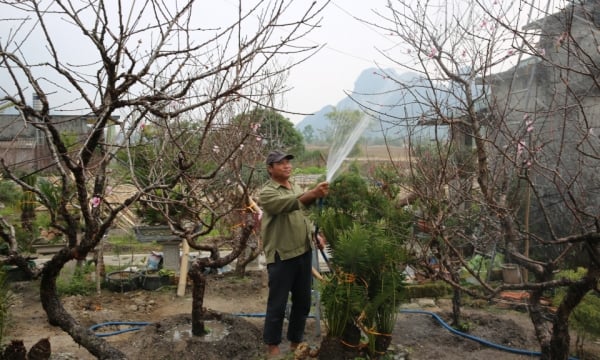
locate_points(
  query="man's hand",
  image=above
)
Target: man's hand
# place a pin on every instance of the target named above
(321, 190)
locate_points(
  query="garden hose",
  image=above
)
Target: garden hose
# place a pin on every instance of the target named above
(474, 338)
(135, 325)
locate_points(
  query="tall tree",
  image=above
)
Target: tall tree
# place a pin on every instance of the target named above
(309, 134)
(277, 131)
(126, 65)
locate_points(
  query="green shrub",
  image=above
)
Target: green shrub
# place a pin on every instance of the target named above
(310, 170)
(10, 194)
(79, 284)
(438, 289)
(366, 234)
(585, 318)
(6, 300)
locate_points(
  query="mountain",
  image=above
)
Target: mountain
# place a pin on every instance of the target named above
(379, 94)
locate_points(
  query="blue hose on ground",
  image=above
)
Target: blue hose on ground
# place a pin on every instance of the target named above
(474, 338)
(135, 325)
(138, 324)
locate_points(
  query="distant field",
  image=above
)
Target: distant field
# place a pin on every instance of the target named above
(373, 152)
(382, 152)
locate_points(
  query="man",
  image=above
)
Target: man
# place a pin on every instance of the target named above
(286, 233)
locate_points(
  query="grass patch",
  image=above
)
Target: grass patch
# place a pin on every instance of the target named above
(127, 243)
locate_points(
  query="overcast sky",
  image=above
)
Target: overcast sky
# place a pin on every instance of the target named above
(351, 47)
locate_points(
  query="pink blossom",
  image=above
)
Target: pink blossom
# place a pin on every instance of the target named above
(542, 52)
(483, 23)
(216, 149)
(432, 53)
(510, 52)
(95, 201)
(258, 138)
(520, 147)
(560, 39)
(529, 124)
(241, 146)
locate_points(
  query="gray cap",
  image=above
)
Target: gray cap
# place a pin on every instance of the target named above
(277, 156)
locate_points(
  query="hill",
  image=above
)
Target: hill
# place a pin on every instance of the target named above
(390, 107)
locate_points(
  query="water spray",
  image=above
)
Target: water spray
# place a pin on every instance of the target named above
(345, 136)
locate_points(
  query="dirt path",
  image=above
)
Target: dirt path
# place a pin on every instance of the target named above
(419, 336)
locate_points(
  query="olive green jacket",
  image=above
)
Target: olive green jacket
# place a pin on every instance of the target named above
(285, 227)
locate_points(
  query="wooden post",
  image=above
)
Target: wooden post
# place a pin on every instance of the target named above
(183, 268)
(100, 269)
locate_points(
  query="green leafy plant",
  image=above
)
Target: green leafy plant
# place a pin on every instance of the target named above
(28, 205)
(6, 300)
(365, 233)
(79, 284)
(9, 193)
(166, 272)
(342, 297)
(309, 170)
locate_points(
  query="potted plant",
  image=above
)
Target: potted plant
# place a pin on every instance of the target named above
(123, 280)
(153, 280)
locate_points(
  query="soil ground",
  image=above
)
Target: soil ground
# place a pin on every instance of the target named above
(236, 336)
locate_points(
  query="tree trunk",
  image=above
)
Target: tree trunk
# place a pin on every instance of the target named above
(198, 288)
(58, 316)
(248, 254)
(554, 338)
(456, 304)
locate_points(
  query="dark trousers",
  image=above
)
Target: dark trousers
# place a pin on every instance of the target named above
(290, 276)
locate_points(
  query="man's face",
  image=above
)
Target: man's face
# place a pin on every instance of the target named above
(281, 169)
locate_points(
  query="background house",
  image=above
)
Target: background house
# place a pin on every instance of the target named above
(545, 114)
(24, 147)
